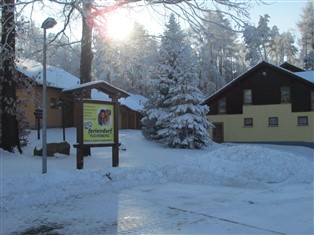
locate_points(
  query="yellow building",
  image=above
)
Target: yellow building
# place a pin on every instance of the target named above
(57, 79)
(266, 104)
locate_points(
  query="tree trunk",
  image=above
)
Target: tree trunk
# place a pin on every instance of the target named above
(86, 53)
(10, 130)
(86, 46)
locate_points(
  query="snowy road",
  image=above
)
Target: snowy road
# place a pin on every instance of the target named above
(167, 209)
(187, 209)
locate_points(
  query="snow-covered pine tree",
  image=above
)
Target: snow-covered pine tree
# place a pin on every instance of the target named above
(152, 110)
(306, 27)
(179, 113)
(161, 77)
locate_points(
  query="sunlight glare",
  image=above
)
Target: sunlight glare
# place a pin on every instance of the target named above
(119, 27)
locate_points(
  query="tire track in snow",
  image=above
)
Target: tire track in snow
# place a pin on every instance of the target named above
(225, 220)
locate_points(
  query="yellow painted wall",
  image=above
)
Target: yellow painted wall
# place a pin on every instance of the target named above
(34, 99)
(287, 130)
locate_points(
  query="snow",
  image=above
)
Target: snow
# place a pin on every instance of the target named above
(98, 95)
(221, 189)
(56, 77)
(307, 75)
(134, 101)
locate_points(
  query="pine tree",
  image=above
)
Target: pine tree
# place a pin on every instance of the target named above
(306, 27)
(216, 47)
(8, 79)
(178, 114)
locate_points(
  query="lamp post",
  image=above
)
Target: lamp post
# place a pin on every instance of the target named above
(47, 24)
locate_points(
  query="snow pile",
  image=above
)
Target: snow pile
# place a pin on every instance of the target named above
(236, 165)
(232, 166)
(254, 164)
(53, 187)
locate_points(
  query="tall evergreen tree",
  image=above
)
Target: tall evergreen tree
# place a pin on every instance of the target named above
(259, 40)
(306, 27)
(284, 49)
(8, 79)
(216, 49)
(266, 43)
(179, 113)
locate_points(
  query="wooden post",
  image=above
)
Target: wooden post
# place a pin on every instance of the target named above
(38, 115)
(79, 134)
(115, 147)
(79, 158)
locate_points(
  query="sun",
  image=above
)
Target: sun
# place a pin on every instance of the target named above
(119, 27)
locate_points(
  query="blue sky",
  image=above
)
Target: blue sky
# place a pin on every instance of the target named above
(283, 13)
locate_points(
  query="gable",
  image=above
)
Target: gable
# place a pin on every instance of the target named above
(262, 75)
(265, 82)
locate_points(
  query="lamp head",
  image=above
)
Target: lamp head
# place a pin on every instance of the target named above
(49, 23)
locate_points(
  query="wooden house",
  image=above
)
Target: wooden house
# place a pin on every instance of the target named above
(268, 104)
(130, 111)
(57, 79)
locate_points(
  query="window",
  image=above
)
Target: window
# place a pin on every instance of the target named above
(248, 122)
(303, 121)
(312, 100)
(247, 96)
(273, 121)
(285, 94)
(222, 105)
(53, 103)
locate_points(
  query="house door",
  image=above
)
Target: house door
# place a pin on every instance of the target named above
(218, 132)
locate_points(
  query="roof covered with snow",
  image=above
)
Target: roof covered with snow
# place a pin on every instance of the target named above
(101, 86)
(307, 75)
(134, 101)
(56, 77)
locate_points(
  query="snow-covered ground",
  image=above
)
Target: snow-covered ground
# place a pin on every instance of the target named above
(223, 189)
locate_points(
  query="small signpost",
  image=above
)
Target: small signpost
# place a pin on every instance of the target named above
(97, 120)
(38, 115)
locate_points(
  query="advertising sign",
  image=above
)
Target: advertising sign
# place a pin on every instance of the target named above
(98, 122)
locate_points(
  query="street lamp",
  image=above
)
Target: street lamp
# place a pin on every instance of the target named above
(47, 24)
